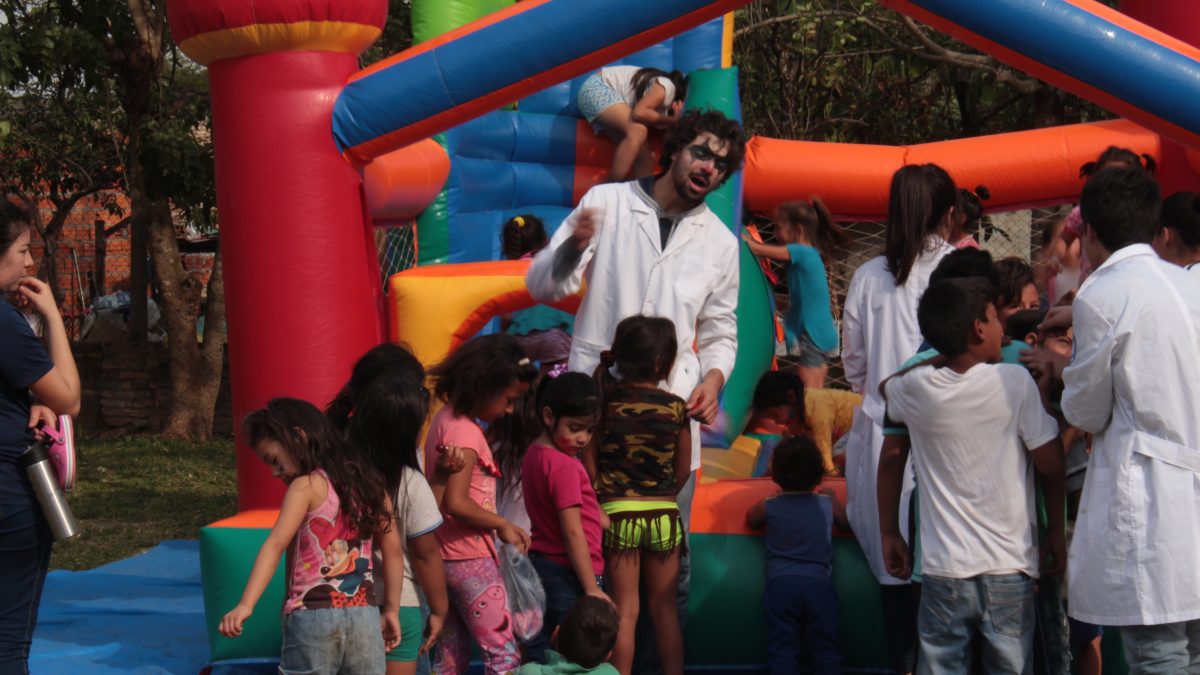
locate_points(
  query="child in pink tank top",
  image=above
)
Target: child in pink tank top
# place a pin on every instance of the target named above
(479, 382)
(336, 507)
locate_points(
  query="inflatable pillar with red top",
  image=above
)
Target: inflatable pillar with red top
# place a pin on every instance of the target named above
(302, 287)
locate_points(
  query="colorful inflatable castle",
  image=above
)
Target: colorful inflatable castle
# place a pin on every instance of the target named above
(478, 122)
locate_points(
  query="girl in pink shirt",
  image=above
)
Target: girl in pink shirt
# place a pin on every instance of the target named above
(563, 509)
(479, 383)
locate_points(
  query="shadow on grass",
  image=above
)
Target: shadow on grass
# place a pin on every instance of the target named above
(134, 492)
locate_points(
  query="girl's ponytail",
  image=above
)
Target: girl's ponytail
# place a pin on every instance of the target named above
(829, 237)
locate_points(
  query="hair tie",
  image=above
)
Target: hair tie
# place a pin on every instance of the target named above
(520, 221)
(607, 359)
(558, 369)
(524, 361)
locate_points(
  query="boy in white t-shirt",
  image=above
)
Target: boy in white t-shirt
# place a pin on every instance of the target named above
(973, 422)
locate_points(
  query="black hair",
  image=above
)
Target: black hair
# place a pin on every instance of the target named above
(1022, 323)
(1122, 206)
(644, 78)
(1181, 212)
(643, 350)
(480, 370)
(522, 235)
(919, 198)
(14, 221)
(826, 235)
(1123, 156)
(773, 387)
(310, 439)
(970, 207)
(967, 262)
(695, 122)
(509, 438)
(569, 395)
(1015, 274)
(588, 632)
(382, 408)
(948, 311)
(797, 465)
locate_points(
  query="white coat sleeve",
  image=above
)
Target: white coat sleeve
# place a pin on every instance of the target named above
(716, 326)
(854, 343)
(1087, 399)
(541, 279)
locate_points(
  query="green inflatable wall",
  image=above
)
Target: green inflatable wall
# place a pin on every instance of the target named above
(226, 557)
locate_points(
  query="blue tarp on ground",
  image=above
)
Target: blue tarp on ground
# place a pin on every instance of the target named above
(140, 615)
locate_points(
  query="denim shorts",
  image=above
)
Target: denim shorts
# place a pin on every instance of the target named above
(335, 640)
(810, 356)
(595, 97)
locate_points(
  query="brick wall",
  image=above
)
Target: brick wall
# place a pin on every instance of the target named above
(126, 389)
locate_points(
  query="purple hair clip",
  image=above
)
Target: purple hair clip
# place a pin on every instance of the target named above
(558, 369)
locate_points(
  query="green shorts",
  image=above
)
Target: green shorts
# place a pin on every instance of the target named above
(412, 633)
(648, 526)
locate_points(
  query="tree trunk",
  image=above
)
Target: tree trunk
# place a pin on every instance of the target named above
(195, 366)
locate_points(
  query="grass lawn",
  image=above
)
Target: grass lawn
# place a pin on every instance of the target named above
(133, 492)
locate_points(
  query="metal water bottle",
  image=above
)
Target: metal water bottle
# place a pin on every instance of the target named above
(36, 462)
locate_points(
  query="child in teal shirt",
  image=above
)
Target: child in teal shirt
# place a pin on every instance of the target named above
(808, 232)
(584, 641)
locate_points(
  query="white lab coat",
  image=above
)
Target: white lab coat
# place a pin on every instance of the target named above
(694, 282)
(1134, 382)
(879, 333)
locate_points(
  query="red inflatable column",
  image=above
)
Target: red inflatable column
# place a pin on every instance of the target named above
(301, 278)
(1179, 19)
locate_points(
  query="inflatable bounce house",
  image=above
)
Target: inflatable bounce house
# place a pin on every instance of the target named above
(478, 122)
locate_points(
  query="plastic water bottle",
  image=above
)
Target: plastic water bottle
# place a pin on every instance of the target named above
(36, 462)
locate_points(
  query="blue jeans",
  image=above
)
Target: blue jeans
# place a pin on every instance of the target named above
(25, 543)
(344, 640)
(802, 618)
(1164, 648)
(562, 590)
(997, 611)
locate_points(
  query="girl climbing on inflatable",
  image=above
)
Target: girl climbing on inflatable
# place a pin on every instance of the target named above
(336, 507)
(625, 102)
(809, 236)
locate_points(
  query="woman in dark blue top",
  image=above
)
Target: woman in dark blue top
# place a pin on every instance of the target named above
(49, 374)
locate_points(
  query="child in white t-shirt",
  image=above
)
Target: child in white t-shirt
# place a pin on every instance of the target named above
(979, 543)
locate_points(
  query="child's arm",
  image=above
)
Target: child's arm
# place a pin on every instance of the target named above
(459, 504)
(393, 581)
(770, 251)
(683, 455)
(589, 459)
(425, 556)
(839, 510)
(756, 517)
(577, 551)
(890, 481)
(1048, 460)
(645, 110)
(299, 500)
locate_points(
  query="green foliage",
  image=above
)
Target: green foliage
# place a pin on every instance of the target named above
(854, 71)
(397, 33)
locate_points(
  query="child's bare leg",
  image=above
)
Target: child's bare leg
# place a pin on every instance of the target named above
(623, 573)
(401, 668)
(644, 164)
(630, 137)
(813, 378)
(1090, 662)
(661, 576)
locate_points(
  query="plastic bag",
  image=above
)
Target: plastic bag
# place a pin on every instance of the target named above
(526, 597)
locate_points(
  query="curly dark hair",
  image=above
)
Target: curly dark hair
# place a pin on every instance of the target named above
(796, 464)
(313, 443)
(696, 122)
(480, 370)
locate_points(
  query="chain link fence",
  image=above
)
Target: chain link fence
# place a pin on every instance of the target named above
(397, 248)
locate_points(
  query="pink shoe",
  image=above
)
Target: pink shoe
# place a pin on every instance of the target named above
(62, 451)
